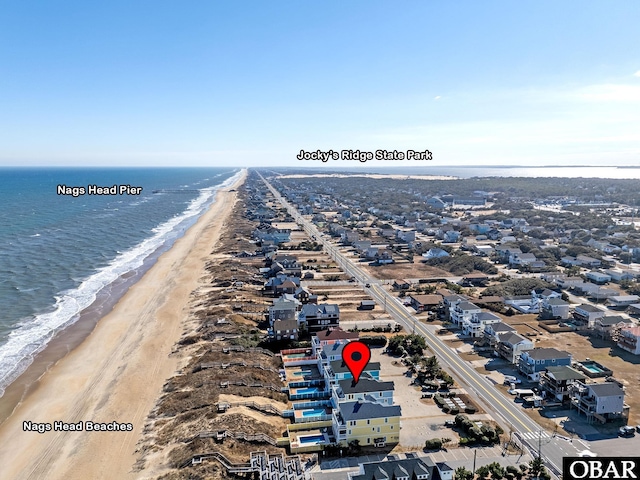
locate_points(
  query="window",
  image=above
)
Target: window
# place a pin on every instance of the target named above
(378, 429)
(386, 420)
(368, 422)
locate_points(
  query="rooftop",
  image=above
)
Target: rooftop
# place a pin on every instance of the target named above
(606, 389)
(565, 372)
(392, 469)
(362, 410)
(336, 334)
(546, 353)
(366, 384)
(338, 366)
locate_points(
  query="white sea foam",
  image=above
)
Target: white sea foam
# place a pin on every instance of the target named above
(33, 334)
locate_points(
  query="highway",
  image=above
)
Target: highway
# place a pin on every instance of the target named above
(553, 448)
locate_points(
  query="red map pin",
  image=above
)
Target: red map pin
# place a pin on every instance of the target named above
(355, 356)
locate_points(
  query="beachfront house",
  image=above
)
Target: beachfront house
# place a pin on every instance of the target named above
(319, 316)
(284, 308)
(338, 370)
(370, 423)
(367, 388)
(410, 468)
(284, 330)
(330, 336)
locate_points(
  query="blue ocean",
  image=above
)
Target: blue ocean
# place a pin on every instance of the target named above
(59, 253)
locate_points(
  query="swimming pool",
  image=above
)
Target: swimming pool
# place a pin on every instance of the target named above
(300, 391)
(313, 412)
(311, 439)
(593, 369)
(303, 372)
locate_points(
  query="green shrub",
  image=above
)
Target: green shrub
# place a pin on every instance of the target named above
(374, 341)
(433, 444)
(460, 419)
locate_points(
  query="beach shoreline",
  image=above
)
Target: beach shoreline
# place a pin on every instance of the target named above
(116, 373)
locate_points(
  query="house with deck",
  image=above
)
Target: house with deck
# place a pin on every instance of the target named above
(510, 346)
(319, 316)
(609, 326)
(475, 325)
(587, 315)
(367, 388)
(368, 422)
(410, 468)
(284, 330)
(629, 339)
(284, 308)
(535, 361)
(556, 382)
(599, 401)
(462, 311)
(330, 336)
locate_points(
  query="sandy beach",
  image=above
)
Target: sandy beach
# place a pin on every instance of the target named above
(116, 374)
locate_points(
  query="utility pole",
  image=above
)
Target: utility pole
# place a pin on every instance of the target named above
(475, 451)
(540, 444)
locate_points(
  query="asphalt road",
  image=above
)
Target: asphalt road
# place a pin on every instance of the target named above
(527, 431)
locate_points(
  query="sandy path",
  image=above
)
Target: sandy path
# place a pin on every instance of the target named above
(117, 373)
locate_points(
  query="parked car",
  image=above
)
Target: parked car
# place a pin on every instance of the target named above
(627, 431)
(508, 379)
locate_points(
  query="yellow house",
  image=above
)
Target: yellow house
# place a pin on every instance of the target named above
(370, 423)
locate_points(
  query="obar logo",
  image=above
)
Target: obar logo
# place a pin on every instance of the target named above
(603, 467)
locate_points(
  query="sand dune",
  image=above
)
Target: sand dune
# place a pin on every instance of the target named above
(116, 374)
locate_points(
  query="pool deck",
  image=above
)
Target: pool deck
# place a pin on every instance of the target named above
(296, 443)
(302, 372)
(298, 414)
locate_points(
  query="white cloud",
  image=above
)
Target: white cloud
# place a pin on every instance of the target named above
(637, 74)
(611, 93)
(437, 97)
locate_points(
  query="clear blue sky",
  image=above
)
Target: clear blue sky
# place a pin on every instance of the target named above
(249, 83)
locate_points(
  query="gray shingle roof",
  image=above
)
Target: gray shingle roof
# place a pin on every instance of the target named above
(365, 384)
(366, 410)
(607, 389)
(546, 353)
(338, 366)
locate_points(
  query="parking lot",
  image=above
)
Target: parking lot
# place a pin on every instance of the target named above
(421, 419)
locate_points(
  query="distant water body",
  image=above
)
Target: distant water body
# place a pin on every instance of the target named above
(59, 254)
(515, 171)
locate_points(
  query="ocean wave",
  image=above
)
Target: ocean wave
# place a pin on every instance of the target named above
(33, 334)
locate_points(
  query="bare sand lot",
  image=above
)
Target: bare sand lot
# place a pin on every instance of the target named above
(116, 374)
